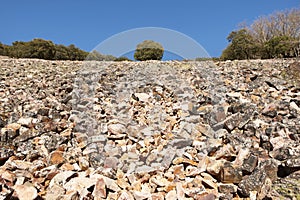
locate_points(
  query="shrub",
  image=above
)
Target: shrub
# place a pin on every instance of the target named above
(95, 55)
(122, 58)
(1, 49)
(149, 50)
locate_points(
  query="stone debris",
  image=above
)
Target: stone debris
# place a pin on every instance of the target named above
(149, 130)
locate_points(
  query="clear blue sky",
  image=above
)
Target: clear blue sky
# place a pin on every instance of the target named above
(87, 23)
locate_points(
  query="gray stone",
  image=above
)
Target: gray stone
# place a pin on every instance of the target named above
(116, 129)
(227, 188)
(250, 163)
(266, 170)
(232, 122)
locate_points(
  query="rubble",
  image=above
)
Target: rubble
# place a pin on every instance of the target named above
(149, 130)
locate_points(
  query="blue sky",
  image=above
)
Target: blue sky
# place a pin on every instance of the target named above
(88, 23)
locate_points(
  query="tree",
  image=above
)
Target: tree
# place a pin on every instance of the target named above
(75, 53)
(61, 52)
(17, 49)
(43, 49)
(39, 48)
(273, 36)
(282, 23)
(242, 46)
(1, 49)
(279, 47)
(149, 50)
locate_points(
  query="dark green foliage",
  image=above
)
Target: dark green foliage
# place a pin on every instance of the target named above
(279, 47)
(6, 50)
(39, 48)
(42, 49)
(61, 52)
(149, 50)
(207, 59)
(1, 49)
(274, 36)
(242, 46)
(19, 50)
(122, 58)
(75, 53)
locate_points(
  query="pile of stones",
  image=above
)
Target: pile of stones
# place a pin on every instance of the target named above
(149, 130)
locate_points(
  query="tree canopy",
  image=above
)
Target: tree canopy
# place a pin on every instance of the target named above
(42, 49)
(149, 50)
(46, 49)
(274, 36)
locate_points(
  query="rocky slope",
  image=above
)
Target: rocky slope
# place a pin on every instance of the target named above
(149, 130)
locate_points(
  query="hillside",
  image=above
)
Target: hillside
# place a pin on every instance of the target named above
(149, 130)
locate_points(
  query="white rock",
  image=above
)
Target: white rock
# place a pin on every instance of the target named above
(25, 121)
(83, 163)
(79, 184)
(110, 183)
(61, 178)
(171, 195)
(243, 153)
(142, 96)
(125, 195)
(278, 142)
(116, 129)
(25, 192)
(180, 191)
(293, 105)
(55, 192)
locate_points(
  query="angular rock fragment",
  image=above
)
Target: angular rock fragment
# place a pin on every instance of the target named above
(270, 110)
(55, 192)
(232, 122)
(250, 164)
(227, 188)
(116, 129)
(171, 195)
(100, 189)
(56, 158)
(25, 192)
(230, 174)
(266, 171)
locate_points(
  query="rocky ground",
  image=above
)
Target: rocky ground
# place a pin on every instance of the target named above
(149, 130)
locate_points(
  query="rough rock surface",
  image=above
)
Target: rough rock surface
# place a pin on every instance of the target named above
(149, 130)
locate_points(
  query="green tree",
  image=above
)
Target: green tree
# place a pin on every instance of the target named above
(280, 47)
(2, 49)
(75, 53)
(45, 49)
(122, 58)
(19, 49)
(273, 36)
(39, 48)
(61, 52)
(242, 46)
(5, 49)
(149, 50)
